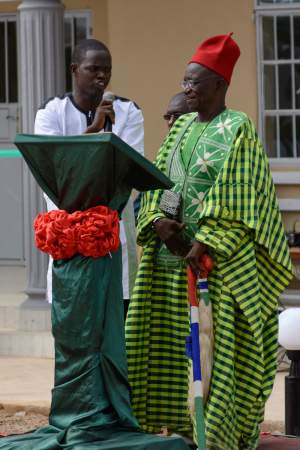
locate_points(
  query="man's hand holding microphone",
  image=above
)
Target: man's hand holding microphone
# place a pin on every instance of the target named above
(104, 115)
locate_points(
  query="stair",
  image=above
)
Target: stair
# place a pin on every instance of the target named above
(25, 325)
(37, 344)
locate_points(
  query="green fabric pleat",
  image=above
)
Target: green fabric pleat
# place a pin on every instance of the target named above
(91, 370)
(48, 438)
(90, 401)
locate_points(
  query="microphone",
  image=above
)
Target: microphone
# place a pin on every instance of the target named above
(109, 97)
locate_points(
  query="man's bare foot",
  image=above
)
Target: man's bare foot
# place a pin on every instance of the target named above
(163, 432)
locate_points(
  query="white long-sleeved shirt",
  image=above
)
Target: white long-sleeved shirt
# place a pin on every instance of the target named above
(60, 116)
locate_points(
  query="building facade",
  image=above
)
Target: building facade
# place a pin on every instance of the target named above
(151, 42)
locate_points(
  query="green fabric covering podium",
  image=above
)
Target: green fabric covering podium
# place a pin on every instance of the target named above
(90, 407)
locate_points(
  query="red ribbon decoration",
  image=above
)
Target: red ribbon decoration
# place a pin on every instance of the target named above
(93, 232)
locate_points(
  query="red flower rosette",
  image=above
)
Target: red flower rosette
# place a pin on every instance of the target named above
(98, 233)
(94, 232)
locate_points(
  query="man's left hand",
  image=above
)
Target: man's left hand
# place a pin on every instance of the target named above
(104, 110)
(194, 255)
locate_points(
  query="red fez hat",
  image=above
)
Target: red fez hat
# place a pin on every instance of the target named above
(218, 53)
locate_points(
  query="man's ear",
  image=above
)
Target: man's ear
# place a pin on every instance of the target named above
(73, 67)
(221, 84)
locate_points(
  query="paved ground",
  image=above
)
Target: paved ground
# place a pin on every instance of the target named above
(278, 443)
(20, 421)
(26, 382)
(274, 412)
(25, 393)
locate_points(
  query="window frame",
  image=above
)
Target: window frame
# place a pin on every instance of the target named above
(276, 6)
(273, 10)
(10, 17)
(78, 14)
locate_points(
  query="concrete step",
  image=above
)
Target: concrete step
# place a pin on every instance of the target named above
(34, 316)
(37, 344)
(9, 316)
(27, 316)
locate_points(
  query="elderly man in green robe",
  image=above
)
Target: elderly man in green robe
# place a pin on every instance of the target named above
(229, 209)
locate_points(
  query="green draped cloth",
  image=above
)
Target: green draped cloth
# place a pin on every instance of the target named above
(90, 401)
(229, 203)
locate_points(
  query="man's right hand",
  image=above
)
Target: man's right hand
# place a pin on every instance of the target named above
(105, 109)
(169, 231)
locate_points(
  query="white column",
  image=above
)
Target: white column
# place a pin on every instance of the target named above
(42, 74)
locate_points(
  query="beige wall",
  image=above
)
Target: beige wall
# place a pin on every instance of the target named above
(152, 40)
(8, 7)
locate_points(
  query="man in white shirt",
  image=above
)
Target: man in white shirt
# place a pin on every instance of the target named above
(86, 111)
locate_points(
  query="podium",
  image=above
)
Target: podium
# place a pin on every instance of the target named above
(90, 408)
(79, 172)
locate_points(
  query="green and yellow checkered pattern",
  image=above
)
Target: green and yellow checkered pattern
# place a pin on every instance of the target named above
(241, 223)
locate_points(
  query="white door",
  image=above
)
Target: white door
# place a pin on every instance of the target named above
(11, 173)
(9, 117)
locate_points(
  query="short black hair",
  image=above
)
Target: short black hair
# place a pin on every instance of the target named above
(82, 47)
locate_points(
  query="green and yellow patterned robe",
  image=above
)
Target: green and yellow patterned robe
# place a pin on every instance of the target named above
(229, 204)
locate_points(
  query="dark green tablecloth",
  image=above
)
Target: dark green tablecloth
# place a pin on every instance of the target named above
(91, 397)
(90, 400)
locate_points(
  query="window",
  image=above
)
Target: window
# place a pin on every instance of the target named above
(277, 2)
(8, 60)
(77, 28)
(278, 37)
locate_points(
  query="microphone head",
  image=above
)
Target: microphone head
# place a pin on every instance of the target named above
(109, 96)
